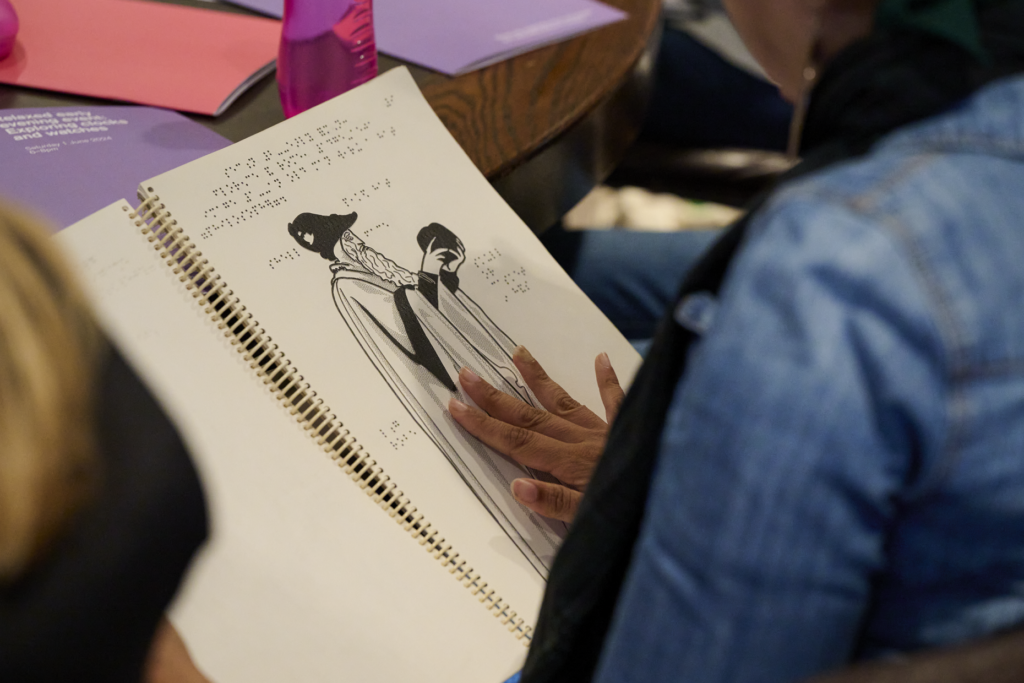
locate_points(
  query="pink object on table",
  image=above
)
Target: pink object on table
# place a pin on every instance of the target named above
(8, 28)
(327, 47)
(184, 58)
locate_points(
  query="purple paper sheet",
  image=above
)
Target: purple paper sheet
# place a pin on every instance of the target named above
(455, 36)
(272, 8)
(66, 163)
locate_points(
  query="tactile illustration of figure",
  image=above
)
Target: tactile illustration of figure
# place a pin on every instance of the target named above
(419, 329)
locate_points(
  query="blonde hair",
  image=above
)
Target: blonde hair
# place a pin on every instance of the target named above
(48, 358)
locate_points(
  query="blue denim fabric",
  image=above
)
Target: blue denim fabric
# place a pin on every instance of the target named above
(631, 276)
(841, 474)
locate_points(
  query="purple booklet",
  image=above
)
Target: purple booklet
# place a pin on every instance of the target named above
(66, 163)
(458, 36)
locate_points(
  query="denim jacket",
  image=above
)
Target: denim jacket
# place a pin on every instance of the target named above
(841, 474)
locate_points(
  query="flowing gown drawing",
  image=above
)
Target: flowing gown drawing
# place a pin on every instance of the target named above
(419, 330)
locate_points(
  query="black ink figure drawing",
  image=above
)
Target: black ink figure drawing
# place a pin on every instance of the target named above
(419, 329)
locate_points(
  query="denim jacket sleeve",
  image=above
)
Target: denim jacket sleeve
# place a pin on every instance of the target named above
(812, 407)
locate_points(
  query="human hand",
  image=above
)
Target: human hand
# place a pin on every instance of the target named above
(453, 264)
(437, 258)
(565, 440)
(169, 660)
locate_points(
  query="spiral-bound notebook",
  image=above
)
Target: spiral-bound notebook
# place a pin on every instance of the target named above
(301, 302)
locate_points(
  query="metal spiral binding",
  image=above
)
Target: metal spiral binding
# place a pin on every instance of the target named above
(295, 394)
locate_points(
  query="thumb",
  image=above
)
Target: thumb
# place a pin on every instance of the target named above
(550, 500)
(608, 385)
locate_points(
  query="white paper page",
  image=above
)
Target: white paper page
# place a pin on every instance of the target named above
(303, 578)
(379, 151)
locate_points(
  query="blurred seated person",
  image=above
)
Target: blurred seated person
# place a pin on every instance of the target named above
(709, 92)
(100, 507)
(819, 462)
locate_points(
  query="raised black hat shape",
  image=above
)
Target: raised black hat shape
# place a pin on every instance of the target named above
(325, 231)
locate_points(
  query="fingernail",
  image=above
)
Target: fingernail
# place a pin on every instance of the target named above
(525, 490)
(523, 354)
(469, 376)
(604, 360)
(457, 406)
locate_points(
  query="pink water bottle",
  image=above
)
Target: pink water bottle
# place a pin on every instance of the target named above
(8, 28)
(327, 47)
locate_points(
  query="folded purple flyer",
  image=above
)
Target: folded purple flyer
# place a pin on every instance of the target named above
(66, 163)
(458, 36)
(272, 8)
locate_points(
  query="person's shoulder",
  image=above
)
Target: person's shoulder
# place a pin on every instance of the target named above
(944, 169)
(934, 206)
(952, 157)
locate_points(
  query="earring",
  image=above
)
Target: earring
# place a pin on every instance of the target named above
(812, 70)
(796, 124)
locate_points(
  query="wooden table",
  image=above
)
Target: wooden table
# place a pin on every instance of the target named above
(544, 127)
